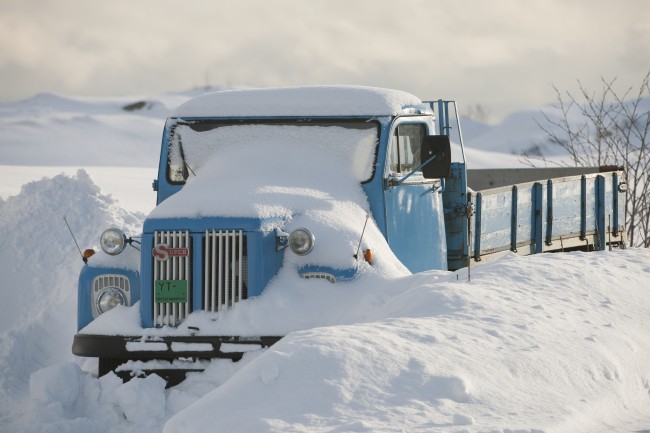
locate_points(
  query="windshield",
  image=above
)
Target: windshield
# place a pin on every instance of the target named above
(193, 143)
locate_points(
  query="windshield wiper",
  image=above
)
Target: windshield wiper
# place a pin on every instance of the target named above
(186, 166)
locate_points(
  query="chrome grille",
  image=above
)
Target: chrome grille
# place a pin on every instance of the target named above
(224, 269)
(319, 276)
(174, 267)
(106, 280)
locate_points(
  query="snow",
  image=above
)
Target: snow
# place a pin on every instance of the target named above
(122, 321)
(131, 186)
(253, 189)
(36, 244)
(143, 401)
(300, 101)
(548, 343)
(300, 188)
(485, 357)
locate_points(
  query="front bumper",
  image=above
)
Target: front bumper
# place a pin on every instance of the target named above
(167, 348)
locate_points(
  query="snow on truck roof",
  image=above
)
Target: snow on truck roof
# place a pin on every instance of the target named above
(300, 101)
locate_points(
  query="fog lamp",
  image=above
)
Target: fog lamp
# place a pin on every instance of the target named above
(110, 298)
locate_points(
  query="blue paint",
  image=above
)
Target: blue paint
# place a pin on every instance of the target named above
(538, 216)
(341, 275)
(415, 226)
(549, 212)
(478, 227)
(455, 205)
(85, 297)
(601, 228)
(513, 218)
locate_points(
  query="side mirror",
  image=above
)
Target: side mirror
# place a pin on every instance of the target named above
(436, 153)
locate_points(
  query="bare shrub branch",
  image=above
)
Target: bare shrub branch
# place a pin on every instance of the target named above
(609, 128)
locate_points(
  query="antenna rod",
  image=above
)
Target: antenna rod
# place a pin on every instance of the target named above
(73, 238)
(362, 232)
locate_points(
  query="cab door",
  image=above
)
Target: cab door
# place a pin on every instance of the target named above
(414, 211)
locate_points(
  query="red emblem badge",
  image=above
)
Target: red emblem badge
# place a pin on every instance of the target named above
(162, 252)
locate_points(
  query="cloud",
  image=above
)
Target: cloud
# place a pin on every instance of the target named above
(503, 53)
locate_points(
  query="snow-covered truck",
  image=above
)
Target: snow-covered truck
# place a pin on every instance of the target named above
(324, 185)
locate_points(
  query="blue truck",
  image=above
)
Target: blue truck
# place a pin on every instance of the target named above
(204, 249)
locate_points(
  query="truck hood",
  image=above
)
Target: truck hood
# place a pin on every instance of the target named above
(336, 220)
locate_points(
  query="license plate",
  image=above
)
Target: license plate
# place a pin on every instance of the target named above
(170, 291)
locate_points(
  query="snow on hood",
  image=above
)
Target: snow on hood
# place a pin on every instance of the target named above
(300, 101)
(307, 176)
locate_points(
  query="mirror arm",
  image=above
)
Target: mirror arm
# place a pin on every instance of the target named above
(399, 182)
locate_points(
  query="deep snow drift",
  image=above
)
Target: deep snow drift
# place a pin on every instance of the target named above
(553, 343)
(39, 265)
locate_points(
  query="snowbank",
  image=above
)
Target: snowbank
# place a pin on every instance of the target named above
(130, 186)
(39, 264)
(38, 258)
(553, 343)
(549, 343)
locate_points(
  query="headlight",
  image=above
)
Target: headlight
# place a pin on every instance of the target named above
(113, 241)
(301, 241)
(110, 298)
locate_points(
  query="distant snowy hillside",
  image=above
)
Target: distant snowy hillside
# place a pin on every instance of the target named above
(522, 133)
(53, 130)
(56, 130)
(517, 133)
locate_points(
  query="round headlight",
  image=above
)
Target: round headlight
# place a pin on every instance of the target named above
(110, 298)
(301, 241)
(113, 241)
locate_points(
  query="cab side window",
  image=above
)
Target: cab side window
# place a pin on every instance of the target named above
(404, 148)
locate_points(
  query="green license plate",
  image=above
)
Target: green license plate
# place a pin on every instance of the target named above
(170, 291)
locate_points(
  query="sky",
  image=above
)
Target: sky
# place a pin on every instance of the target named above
(504, 55)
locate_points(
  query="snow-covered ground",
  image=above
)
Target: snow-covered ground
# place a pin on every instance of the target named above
(552, 343)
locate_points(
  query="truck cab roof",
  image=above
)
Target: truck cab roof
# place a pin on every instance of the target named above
(312, 101)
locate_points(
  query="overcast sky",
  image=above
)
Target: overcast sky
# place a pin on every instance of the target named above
(502, 54)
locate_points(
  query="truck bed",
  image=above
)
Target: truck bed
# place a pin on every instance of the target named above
(530, 211)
